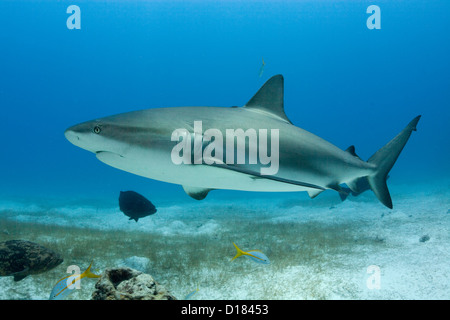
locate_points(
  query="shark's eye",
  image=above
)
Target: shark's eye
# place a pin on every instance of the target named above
(97, 129)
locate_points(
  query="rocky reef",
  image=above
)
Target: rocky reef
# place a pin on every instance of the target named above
(129, 284)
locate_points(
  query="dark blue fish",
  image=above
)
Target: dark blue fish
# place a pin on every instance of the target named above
(134, 205)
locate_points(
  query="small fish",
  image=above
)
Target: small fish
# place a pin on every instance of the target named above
(261, 70)
(66, 285)
(135, 206)
(255, 255)
(191, 294)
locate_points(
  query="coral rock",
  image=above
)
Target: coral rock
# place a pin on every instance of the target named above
(129, 284)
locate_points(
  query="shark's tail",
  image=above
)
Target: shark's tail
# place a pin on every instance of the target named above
(384, 160)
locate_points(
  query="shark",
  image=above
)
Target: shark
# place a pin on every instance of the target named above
(141, 142)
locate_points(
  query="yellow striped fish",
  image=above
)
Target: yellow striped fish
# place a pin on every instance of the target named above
(255, 255)
(66, 285)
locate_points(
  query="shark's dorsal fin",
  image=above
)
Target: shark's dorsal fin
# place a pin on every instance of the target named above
(352, 151)
(270, 99)
(196, 193)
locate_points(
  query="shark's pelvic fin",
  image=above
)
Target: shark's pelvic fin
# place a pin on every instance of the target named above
(270, 99)
(384, 160)
(312, 193)
(196, 193)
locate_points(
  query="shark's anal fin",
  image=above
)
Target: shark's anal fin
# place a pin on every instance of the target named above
(354, 184)
(338, 188)
(196, 193)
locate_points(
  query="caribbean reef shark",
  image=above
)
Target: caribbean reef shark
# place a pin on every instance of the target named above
(150, 142)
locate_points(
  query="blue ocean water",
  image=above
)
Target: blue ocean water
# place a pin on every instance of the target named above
(344, 82)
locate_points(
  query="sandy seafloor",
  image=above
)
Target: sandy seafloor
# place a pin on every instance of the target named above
(319, 249)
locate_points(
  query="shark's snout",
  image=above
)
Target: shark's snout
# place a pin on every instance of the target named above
(71, 135)
(80, 136)
(93, 136)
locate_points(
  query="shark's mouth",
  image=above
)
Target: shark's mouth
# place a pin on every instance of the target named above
(112, 159)
(105, 156)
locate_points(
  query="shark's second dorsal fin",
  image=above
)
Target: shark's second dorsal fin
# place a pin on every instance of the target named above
(270, 98)
(352, 151)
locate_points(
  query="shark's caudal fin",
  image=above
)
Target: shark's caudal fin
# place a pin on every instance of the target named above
(384, 160)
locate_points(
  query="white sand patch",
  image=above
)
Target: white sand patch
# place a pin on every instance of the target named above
(410, 268)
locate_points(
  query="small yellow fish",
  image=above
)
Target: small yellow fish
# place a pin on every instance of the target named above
(66, 285)
(191, 294)
(255, 255)
(261, 70)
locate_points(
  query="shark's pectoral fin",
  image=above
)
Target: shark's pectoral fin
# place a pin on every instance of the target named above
(258, 175)
(196, 193)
